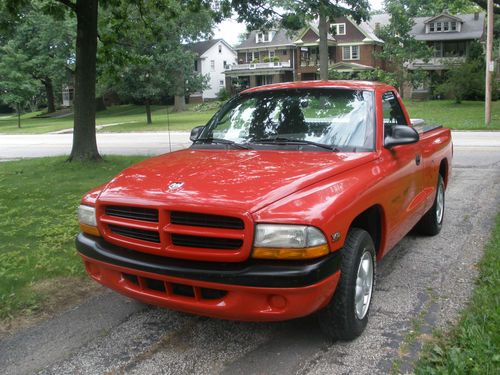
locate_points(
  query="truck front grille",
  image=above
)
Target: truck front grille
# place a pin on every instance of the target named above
(135, 213)
(139, 234)
(206, 242)
(205, 220)
(176, 233)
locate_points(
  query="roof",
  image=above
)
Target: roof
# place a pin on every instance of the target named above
(281, 38)
(359, 85)
(471, 28)
(368, 30)
(199, 48)
(344, 66)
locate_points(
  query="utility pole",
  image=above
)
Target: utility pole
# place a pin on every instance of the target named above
(489, 64)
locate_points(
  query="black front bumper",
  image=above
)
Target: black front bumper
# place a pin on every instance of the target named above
(258, 273)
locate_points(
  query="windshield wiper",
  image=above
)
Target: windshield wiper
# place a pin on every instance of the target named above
(221, 141)
(291, 141)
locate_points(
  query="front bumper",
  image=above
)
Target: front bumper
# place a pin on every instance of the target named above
(252, 291)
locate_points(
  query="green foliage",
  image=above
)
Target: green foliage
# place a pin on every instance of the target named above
(473, 346)
(376, 75)
(223, 95)
(38, 204)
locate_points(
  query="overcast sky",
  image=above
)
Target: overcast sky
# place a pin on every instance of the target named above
(230, 29)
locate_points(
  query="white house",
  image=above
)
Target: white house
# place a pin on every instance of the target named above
(213, 58)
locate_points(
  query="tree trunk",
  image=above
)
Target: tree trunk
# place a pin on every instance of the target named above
(323, 46)
(179, 103)
(18, 108)
(84, 135)
(148, 112)
(180, 94)
(49, 92)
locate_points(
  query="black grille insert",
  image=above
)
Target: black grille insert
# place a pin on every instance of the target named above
(206, 242)
(135, 213)
(205, 220)
(140, 234)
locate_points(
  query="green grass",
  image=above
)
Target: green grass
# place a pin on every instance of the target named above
(38, 202)
(467, 115)
(473, 346)
(130, 117)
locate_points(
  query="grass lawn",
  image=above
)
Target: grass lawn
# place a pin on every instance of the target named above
(465, 116)
(38, 203)
(130, 117)
(473, 346)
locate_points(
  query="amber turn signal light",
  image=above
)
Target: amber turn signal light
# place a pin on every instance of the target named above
(90, 230)
(290, 253)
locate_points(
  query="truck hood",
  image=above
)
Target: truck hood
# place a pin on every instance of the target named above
(233, 180)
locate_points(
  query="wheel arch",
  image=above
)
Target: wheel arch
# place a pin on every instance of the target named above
(443, 171)
(373, 221)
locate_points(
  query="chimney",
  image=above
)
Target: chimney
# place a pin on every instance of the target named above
(476, 16)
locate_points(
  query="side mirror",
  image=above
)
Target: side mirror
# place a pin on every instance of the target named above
(195, 133)
(401, 135)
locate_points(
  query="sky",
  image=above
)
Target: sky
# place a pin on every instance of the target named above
(229, 30)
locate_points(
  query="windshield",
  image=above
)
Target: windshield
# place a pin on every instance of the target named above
(341, 118)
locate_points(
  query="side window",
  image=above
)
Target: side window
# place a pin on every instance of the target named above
(393, 114)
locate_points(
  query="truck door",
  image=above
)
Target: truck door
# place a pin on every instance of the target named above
(404, 176)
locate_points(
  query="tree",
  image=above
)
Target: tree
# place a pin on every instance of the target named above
(147, 58)
(16, 87)
(400, 47)
(46, 48)
(294, 15)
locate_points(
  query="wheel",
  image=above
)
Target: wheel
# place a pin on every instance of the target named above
(432, 221)
(346, 315)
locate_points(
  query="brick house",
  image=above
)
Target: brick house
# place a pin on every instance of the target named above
(280, 56)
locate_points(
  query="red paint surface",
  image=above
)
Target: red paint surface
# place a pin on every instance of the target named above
(327, 190)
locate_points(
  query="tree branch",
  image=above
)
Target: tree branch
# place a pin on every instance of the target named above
(484, 4)
(69, 4)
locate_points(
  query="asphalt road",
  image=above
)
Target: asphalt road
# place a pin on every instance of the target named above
(424, 282)
(37, 145)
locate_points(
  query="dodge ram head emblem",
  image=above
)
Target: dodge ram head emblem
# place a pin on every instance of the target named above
(175, 186)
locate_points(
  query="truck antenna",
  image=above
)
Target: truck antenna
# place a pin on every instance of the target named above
(168, 130)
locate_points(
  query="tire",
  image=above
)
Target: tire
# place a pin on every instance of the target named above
(431, 223)
(340, 319)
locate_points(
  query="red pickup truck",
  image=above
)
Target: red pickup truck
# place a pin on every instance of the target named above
(281, 207)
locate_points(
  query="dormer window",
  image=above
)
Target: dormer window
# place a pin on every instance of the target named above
(263, 37)
(443, 26)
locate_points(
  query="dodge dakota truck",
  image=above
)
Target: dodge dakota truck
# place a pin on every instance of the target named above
(282, 206)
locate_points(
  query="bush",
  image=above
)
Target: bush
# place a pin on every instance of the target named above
(223, 95)
(266, 59)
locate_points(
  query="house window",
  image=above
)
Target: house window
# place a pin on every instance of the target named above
(350, 53)
(225, 64)
(271, 54)
(212, 64)
(195, 65)
(339, 28)
(262, 37)
(446, 26)
(220, 48)
(285, 52)
(432, 27)
(453, 26)
(438, 49)
(221, 82)
(438, 27)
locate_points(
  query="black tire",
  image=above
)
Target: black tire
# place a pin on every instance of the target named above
(432, 222)
(339, 319)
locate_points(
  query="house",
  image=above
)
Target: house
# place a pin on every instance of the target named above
(279, 56)
(449, 35)
(212, 58)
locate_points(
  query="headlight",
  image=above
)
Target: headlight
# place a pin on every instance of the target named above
(87, 219)
(278, 241)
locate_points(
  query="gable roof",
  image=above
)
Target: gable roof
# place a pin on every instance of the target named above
(199, 48)
(471, 28)
(444, 14)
